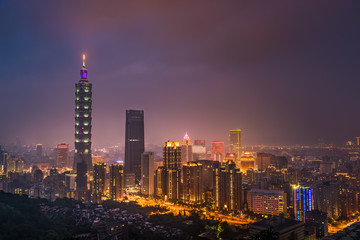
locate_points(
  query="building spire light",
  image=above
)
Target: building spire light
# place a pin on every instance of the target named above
(186, 136)
(83, 60)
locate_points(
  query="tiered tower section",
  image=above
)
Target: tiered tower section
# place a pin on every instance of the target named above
(83, 108)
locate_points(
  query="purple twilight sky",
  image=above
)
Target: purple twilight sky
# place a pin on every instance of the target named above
(285, 72)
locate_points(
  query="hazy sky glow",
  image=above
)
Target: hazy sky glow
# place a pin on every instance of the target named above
(285, 72)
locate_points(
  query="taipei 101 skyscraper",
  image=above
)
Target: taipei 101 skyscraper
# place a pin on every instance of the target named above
(83, 101)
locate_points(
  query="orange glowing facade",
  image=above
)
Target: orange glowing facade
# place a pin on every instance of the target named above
(247, 161)
(217, 151)
(62, 154)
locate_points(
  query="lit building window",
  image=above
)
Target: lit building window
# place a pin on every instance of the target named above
(86, 107)
(86, 115)
(77, 123)
(77, 107)
(86, 150)
(86, 123)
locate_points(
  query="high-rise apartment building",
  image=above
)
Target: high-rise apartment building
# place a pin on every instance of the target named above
(167, 183)
(186, 150)
(98, 190)
(168, 177)
(192, 187)
(160, 184)
(62, 154)
(172, 155)
(116, 181)
(173, 180)
(207, 176)
(83, 109)
(199, 150)
(235, 142)
(302, 201)
(134, 142)
(227, 187)
(217, 151)
(268, 202)
(147, 173)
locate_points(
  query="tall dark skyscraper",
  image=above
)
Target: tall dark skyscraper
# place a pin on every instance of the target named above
(83, 103)
(134, 142)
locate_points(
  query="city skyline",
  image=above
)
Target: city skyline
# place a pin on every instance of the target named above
(279, 85)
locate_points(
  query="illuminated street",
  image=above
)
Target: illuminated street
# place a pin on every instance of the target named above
(176, 209)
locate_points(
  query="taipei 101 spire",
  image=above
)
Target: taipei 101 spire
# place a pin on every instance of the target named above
(83, 109)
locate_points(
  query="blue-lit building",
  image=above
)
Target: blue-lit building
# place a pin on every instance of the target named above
(302, 201)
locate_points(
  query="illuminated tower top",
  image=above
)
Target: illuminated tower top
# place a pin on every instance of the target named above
(186, 150)
(83, 71)
(186, 140)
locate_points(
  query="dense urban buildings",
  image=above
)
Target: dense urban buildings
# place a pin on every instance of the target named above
(83, 119)
(134, 142)
(286, 73)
